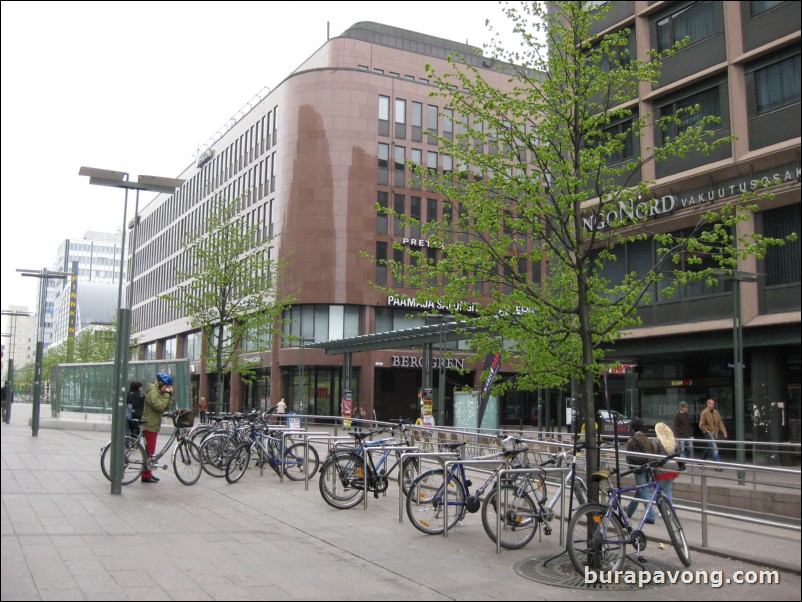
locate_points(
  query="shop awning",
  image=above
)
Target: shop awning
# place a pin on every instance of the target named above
(395, 339)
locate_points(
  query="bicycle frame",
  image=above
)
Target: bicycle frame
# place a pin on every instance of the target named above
(614, 503)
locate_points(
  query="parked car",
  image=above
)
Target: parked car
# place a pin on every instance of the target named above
(622, 423)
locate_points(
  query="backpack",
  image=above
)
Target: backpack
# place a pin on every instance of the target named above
(137, 401)
(641, 444)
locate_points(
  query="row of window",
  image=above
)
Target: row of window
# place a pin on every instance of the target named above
(256, 140)
(777, 85)
(258, 219)
(782, 262)
(250, 187)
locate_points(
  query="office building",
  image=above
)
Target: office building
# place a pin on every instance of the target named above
(314, 156)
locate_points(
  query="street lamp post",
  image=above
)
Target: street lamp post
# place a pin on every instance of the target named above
(10, 378)
(736, 278)
(44, 275)
(119, 179)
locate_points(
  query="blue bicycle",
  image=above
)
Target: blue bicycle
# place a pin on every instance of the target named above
(598, 533)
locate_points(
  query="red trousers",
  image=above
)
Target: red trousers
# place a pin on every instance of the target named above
(150, 440)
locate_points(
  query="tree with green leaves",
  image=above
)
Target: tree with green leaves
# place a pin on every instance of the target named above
(542, 202)
(231, 291)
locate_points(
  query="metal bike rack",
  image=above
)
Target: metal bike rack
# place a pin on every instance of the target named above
(381, 448)
(507, 471)
(448, 464)
(317, 436)
(439, 456)
(286, 431)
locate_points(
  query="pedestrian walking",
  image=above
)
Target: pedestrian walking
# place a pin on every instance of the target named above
(641, 443)
(203, 409)
(665, 444)
(712, 427)
(683, 433)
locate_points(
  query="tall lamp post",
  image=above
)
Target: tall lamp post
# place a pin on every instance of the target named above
(119, 179)
(736, 278)
(44, 275)
(10, 379)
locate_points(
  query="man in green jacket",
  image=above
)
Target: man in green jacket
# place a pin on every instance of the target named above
(158, 398)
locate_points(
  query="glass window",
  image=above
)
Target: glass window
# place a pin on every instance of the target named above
(627, 151)
(415, 214)
(417, 121)
(416, 157)
(398, 259)
(384, 115)
(169, 349)
(400, 118)
(757, 8)
(381, 263)
(689, 116)
(384, 164)
(448, 124)
(400, 167)
(694, 22)
(399, 203)
(783, 262)
(778, 85)
(351, 321)
(431, 124)
(381, 216)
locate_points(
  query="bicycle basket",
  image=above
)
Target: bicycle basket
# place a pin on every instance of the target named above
(184, 418)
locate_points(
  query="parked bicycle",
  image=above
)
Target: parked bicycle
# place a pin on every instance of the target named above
(220, 443)
(426, 498)
(271, 450)
(184, 458)
(342, 478)
(599, 533)
(523, 503)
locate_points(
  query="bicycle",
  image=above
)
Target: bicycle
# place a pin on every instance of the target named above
(184, 457)
(598, 533)
(267, 445)
(426, 496)
(523, 504)
(342, 482)
(219, 444)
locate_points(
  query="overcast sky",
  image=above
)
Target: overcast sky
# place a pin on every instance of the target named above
(138, 87)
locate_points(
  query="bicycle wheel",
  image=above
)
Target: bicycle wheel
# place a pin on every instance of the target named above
(595, 533)
(675, 531)
(294, 462)
(340, 482)
(215, 452)
(134, 458)
(425, 501)
(409, 472)
(519, 516)
(186, 463)
(238, 463)
(199, 433)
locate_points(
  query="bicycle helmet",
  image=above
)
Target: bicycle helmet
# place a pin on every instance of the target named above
(165, 379)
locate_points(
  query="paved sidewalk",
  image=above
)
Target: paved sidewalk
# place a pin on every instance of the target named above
(65, 537)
